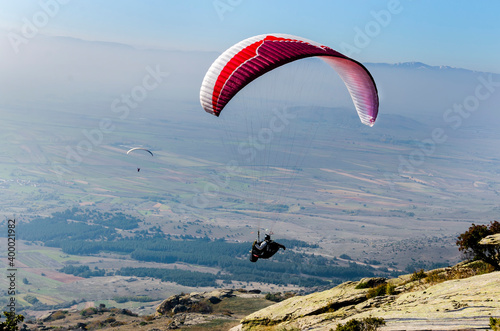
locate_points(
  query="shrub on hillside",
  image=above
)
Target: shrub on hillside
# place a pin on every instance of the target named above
(11, 322)
(390, 289)
(366, 324)
(278, 296)
(418, 275)
(377, 291)
(362, 285)
(88, 311)
(495, 323)
(31, 299)
(468, 243)
(201, 307)
(376, 288)
(58, 315)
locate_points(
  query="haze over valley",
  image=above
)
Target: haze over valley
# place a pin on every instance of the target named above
(288, 155)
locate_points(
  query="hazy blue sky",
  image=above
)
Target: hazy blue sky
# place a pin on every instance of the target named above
(455, 33)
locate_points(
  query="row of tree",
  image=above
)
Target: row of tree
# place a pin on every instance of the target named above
(76, 224)
(231, 258)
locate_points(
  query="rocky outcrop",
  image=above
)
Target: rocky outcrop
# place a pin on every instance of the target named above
(493, 239)
(295, 308)
(450, 305)
(183, 320)
(181, 303)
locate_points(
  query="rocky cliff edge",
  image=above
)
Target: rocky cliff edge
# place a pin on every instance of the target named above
(423, 301)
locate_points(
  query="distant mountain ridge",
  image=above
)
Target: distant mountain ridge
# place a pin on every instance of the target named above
(105, 43)
(406, 65)
(417, 65)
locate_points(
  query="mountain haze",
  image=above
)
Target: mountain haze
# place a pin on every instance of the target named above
(392, 197)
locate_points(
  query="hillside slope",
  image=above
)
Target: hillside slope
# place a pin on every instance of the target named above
(424, 304)
(462, 297)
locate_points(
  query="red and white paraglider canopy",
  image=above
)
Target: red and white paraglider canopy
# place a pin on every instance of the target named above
(253, 57)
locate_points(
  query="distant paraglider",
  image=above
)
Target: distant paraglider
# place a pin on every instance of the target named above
(142, 150)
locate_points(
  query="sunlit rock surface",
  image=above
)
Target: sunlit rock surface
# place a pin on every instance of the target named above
(451, 305)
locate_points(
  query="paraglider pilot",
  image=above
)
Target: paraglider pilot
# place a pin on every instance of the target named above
(264, 249)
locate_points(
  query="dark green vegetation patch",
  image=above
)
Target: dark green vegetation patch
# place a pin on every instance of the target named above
(81, 231)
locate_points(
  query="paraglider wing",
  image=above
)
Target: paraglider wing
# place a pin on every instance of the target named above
(255, 56)
(140, 149)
